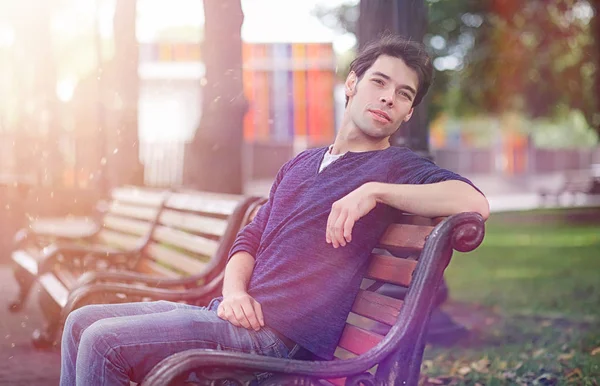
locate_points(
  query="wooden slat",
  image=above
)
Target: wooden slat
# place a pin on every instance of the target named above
(367, 324)
(66, 277)
(219, 204)
(180, 261)
(410, 219)
(151, 268)
(26, 260)
(136, 227)
(411, 237)
(391, 269)
(55, 288)
(193, 222)
(358, 341)
(74, 227)
(377, 307)
(138, 212)
(341, 353)
(139, 196)
(183, 240)
(119, 240)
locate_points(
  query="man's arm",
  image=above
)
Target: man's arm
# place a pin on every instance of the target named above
(430, 200)
(237, 307)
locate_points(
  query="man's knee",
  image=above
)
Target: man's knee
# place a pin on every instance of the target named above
(96, 338)
(79, 320)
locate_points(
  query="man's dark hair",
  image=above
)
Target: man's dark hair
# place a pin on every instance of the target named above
(411, 52)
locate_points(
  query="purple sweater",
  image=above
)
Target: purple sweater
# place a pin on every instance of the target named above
(305, 286)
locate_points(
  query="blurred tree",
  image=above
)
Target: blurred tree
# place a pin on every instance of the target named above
(37, 141)
(536, 58)
(409, 19)
(493, 55)
(122, 147)
(596, 42)
(213, 159)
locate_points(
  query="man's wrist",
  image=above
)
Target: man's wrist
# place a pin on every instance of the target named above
(233, 292)
(376, 191)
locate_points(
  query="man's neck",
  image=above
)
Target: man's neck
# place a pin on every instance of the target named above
(351, 138)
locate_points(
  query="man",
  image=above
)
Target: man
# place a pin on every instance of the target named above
(294, 271)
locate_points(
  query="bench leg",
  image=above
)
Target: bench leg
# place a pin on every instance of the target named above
(25, 281)
(45, 337)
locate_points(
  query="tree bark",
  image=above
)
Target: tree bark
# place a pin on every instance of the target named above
(407, 18)
(213, 159)
(596, 38)
(122, 140)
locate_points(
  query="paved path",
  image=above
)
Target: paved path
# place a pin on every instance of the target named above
(20, 363)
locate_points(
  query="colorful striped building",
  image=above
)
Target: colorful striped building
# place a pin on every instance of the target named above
(289, 86)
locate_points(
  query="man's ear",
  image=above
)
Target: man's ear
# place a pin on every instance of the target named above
(410, 113)
(350, 84)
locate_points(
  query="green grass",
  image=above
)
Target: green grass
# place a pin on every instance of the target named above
(541, 286)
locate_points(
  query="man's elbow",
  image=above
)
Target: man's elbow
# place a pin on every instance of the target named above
(479, 204)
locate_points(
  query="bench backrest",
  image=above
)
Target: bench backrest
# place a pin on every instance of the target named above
(392, 262)
(188, 232)
(130, 216)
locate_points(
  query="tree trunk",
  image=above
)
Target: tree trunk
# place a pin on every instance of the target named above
(213, 159)
(122, 150)
(41, 117)
(596, 38)
(407, 18)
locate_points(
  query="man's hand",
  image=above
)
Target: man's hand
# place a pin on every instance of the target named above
(241, 310)
(346, 211)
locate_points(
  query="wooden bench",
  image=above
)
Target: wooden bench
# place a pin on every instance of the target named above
(186, 248)
(383, 341)
(116, 240)
(577, 182)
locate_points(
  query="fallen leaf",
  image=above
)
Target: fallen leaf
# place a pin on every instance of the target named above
(464, 370)
(546, 323)
(545, 379)
(508, 375)
(574, 373)
(436, 381)
(537, 353)
(595, 351)
(566, 356)
(481, 365)
(518, 366)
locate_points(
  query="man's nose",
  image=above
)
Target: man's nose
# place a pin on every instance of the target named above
(387, 99)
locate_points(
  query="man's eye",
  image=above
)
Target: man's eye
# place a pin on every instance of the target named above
(378, 81)
(405, 95)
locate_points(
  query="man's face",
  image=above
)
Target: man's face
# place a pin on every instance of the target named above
(383, 97)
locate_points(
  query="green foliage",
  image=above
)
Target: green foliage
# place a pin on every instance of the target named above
(568, 130)
(536, 57)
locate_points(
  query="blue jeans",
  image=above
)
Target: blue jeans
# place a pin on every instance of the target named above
(118, 343)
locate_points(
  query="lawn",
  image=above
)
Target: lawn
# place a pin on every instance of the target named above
(532, 293)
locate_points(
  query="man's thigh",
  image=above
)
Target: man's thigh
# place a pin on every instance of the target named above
(138, 342)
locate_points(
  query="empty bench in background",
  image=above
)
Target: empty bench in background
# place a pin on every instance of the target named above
(187, 248)
(116, 240)
(381, 331)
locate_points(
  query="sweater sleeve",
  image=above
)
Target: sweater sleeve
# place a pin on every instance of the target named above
(419, 170)
(248, 239)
